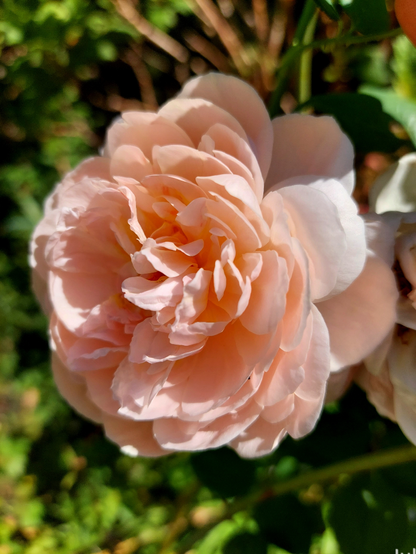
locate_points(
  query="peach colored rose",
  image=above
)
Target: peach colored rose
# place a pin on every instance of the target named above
(190, 310)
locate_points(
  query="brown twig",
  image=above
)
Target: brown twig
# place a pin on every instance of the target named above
(226, 34)
(261, 19)
(133, 58)
(277, 34)
(127, 10)
(115, 103)
(207, 50)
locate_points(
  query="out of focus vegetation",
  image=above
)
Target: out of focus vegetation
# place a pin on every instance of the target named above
(66, 68)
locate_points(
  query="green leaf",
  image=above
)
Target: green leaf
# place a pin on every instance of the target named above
(224, 471)
(327, 7)
(368, 16)
(370, 65)
(12, 35)
(106, 51)
(246, 543)
(404, 67)
(401, 109)
(277, 521)
(213, 542)
(368, 516)
(361, 117)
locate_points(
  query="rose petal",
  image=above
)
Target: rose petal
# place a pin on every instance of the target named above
(308, 145)
(227, 141)
(360, 317)
(268, 296)
(259, 439)
(234, 95)
(354, 257)
(180, 435)
(317, 225)
(144, 130)
(395, 190)
(134, 437)
(153, 295)
(129, 161)
(196, 116)
(213, 376)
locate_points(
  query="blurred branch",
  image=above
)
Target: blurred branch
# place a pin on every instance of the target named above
(127, 10)
(261, 19)
(207, 50)
(277, 34)
(115, 103)
(276, 38)
(133, 58)
(226, 33)
(368, 462)
(360, 464)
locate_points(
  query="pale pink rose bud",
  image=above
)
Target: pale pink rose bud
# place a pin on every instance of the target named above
(388, 375)
(206, 273)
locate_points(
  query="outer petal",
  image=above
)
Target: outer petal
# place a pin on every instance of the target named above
(308, 145)
(406, 313)
(241, 101)
(338, 383)
(75, 191)
(144, 130)
(92, 172)
(196, 116)
(317, 363)
(395, 190)
(74, 295)
(259, 439)
(134, 437)
(304, 416)
(359, 318)
(405, 412)
(298, 300)
(129, 161)
(401, 360)
(73, 388)
(353, 260)
(317, 225)
(380, 232)
(379, 389)
(180, 435)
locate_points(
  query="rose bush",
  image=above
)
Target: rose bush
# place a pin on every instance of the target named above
(205, 274)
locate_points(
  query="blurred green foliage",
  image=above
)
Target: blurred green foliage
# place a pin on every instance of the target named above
(64, 489)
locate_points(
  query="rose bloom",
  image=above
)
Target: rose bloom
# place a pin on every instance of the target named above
(388, 375)
(189, 309)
